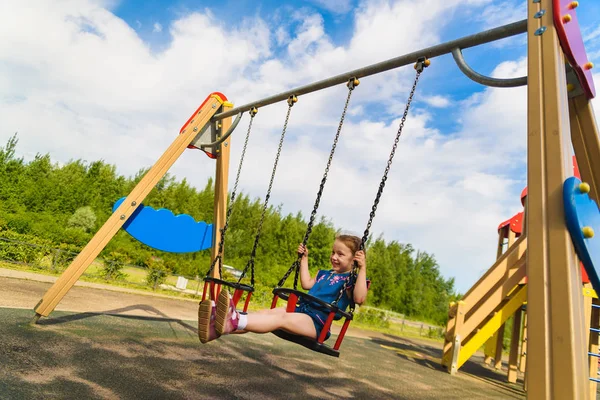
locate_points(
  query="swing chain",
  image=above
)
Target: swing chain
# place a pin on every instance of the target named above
(352, 83)
(223, 230)
(250, 264)
(419, 67)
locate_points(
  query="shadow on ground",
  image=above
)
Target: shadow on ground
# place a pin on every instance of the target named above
(99, 356)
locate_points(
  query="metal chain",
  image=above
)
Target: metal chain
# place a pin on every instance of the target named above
(219, 257)
(352, 83)
(291, 101)
(421, 64)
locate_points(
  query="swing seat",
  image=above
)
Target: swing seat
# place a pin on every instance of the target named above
(213, 286)
(292, 296)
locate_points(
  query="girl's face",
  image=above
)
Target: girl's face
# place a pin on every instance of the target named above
(341, 257)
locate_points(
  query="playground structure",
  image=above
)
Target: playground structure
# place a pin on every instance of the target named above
(468, 319)
(559, 89)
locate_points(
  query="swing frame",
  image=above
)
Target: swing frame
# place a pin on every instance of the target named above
(555, 350)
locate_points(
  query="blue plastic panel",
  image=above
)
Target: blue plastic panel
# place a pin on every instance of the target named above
(581, 211)
(162, 230)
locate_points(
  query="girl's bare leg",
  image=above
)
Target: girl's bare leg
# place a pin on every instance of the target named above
(266, 311)
(297, 323)
(263, 322)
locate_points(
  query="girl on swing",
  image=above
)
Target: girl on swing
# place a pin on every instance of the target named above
(308, 319)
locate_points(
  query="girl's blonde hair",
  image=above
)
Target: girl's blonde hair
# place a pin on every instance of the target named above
(353, 242)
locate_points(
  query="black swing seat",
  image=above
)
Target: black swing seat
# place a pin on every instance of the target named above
(233, 285)
(312, 344)
(309, 343)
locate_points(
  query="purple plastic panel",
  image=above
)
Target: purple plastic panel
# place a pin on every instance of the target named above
(569, 34)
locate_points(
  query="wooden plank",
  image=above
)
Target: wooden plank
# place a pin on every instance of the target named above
(494, 299)
(68, 278)
(556, 346)
(486, 331)
(496, 273)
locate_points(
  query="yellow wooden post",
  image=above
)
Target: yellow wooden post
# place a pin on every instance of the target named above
(449, 335)
(500, 334)
(499, 348)
(68, 278)
(523, 355)
(513, 356)
(221, 186)
(490, 345)
(556, 345)
(456, 342)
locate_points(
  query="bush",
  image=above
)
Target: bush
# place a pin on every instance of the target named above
(15, 251)
(157, 271)
(113, 264)
(83, 218)
(371, 317)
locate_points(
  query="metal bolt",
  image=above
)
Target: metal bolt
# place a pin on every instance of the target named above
(133, 203)
(214, 106)
(540, 31)
(226, 144)
(196, 129)
(123, 216)
(539, 14)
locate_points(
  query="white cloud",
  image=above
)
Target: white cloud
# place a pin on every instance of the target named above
(336, 6)
(90, 88)
(437, 101)
(157, 28)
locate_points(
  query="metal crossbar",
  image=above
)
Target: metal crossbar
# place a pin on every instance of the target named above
(477, 39)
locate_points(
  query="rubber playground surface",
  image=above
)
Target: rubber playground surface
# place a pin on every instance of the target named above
(139, 351)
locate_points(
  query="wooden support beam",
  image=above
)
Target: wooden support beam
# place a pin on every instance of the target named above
(557, 366)
(221, 187)
(491, 345)
(499, 347)
(513, 356)
(523, 353)
(89, 253)
(456, 342)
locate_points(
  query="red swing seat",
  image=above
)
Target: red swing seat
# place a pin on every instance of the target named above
(292, 296)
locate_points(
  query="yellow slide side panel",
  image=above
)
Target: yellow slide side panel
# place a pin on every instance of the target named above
(492, 325)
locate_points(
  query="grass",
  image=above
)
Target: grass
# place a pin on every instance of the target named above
(136, 278)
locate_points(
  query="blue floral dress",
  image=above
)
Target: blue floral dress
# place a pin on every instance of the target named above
(327, 286)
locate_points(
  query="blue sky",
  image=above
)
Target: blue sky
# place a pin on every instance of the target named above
(115, 80)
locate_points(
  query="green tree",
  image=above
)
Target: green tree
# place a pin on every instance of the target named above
(83, 218)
